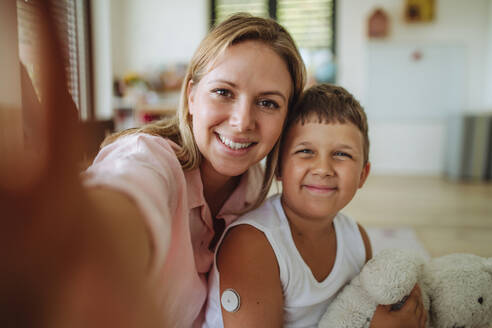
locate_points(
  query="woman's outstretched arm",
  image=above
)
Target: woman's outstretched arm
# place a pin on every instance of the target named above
(69, 255)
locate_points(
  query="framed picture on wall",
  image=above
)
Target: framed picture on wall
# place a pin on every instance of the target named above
(419, 10)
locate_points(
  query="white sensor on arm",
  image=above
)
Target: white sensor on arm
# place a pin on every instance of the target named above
(230, 300)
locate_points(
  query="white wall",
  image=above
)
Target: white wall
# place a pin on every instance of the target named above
(456, 21)
(488, 82)
(148, 34)
(416, 147)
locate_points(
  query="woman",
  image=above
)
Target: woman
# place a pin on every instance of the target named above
(192, 177)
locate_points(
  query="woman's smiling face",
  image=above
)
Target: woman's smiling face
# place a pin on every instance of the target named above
(239, 106)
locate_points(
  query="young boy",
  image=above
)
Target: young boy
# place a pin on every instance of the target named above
(283, 263)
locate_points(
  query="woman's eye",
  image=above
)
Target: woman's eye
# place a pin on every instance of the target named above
(270, 104)
(342, 154)
(222, 92)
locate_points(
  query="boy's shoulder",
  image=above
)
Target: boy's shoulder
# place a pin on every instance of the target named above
(267, 215)
(342, 217)
(355, 235)
(346, 223)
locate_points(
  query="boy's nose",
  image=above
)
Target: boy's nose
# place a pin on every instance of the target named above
(243, 116)
(323, 167)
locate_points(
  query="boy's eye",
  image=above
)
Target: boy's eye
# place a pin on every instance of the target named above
(342, 154)
(269, 104)
(304, 151)
(222, 92)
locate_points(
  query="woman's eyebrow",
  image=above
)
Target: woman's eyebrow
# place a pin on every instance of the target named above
(272, 93)
(232, 84)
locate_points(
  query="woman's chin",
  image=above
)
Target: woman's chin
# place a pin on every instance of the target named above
(231, 170)
(224, 169)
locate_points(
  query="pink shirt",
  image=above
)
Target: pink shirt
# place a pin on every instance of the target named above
(145, 168)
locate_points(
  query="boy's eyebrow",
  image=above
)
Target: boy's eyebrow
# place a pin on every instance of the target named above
(304, 143)
(339, 146)
(349, 147)
(345, 146)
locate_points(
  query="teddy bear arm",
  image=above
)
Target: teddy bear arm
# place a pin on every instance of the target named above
(391, 275)
(352, 308)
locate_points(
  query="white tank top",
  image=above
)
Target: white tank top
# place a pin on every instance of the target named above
(305, 299)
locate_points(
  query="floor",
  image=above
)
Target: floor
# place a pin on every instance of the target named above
(447, 216)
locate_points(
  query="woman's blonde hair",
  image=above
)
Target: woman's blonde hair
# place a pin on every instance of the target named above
(237, 28)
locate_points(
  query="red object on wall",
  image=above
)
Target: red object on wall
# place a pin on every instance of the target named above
(417, 55)
(378, 24)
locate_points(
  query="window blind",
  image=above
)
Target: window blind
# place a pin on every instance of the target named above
(71, 26)
(309, 21)
(225, 8)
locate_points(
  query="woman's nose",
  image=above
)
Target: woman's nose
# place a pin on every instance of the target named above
(243, 116)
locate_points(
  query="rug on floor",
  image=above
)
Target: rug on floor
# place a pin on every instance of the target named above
(389, 237)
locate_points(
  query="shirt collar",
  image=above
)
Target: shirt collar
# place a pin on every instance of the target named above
(243, 196)
(194, 188)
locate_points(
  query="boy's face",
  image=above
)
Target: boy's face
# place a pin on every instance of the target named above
(322, 166)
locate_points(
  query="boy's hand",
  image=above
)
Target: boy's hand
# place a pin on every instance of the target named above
(411, 315)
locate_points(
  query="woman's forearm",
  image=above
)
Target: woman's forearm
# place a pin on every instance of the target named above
(123, 224)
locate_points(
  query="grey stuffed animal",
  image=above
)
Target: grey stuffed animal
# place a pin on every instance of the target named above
(456, 290)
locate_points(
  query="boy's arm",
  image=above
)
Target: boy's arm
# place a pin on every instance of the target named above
(367, 242)
(247, 264)
(411, 315)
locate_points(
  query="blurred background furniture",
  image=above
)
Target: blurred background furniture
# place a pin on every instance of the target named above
(469, 147)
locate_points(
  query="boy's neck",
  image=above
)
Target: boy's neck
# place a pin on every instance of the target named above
(307, 227)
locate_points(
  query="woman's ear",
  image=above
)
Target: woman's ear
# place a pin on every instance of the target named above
(190, 94)
(364, 174)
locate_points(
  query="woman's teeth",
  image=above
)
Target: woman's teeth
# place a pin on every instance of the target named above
(233, 145)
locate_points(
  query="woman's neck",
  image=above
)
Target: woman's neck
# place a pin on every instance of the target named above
(216, 187)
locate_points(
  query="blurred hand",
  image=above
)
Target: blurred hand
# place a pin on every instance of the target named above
(58, 265)
(411, 315)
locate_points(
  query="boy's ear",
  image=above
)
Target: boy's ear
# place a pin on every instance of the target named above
(364, 174)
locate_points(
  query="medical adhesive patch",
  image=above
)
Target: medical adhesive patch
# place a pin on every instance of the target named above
(230, 300)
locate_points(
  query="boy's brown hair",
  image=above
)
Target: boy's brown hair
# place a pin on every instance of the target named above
(330, 104)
